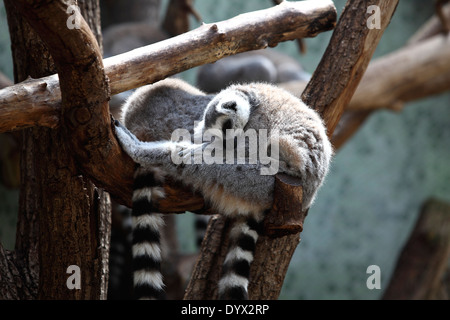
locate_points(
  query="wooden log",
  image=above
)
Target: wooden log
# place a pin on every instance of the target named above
(421, 267)
(37, 102)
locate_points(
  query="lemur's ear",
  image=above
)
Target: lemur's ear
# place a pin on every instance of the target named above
(230, 105)
(251, 96)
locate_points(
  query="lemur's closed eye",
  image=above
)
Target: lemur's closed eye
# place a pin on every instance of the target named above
(228, 124)
(239, 191)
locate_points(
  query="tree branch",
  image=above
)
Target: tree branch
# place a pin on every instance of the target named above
(354, 46)
(437, 83)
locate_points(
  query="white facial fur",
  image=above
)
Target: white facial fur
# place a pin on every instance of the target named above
(242, 112)
(228, 105)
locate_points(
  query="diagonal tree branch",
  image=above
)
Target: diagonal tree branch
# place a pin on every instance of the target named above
(422, 54)
(333, 85)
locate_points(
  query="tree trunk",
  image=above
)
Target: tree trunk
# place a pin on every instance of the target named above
(63, 217)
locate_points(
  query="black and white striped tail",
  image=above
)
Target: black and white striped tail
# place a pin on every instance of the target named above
(146, 242)
(236, 268)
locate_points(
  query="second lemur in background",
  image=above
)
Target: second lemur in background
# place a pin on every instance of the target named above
(235, 189)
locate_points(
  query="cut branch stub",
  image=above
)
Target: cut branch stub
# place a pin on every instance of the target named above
(286, 216)
(274, 250)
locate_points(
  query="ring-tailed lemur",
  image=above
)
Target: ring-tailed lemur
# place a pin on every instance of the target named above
(237, 190)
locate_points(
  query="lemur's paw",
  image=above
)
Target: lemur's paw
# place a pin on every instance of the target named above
(125, 136)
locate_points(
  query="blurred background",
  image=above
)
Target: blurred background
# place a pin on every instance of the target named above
(379, 180)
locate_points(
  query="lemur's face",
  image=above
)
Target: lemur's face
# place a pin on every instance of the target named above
(230, 109)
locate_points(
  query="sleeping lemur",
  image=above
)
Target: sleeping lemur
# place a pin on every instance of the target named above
(240, 190)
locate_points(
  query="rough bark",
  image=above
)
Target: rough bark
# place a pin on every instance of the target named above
(30, 57)
(421, 266)
(282, 227)
(63, 218)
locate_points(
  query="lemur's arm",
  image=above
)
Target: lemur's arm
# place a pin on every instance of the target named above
(151, 153)
(241, 181)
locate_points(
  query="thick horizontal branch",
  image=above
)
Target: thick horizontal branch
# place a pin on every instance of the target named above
(37, 102)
